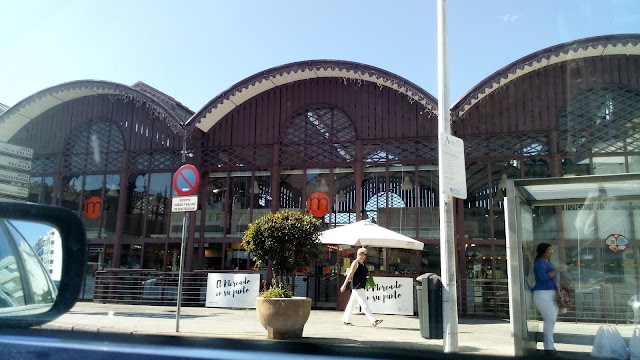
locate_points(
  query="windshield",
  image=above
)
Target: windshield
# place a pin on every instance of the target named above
(330, 110)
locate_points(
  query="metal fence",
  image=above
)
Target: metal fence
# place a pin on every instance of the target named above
(150, 287)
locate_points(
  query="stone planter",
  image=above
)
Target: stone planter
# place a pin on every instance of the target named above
(283, 318)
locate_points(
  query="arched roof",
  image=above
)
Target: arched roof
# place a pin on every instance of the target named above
(244, 90)
(622, 44)
(29, 108)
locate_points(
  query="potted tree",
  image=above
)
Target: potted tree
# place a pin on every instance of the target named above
(284, 241)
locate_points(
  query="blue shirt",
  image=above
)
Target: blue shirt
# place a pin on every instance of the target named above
(541, 270)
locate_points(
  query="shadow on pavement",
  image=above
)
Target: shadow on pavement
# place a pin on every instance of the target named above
(142, 314)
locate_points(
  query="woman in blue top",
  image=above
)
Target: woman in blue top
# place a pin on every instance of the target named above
(358, 277)
(544, 294)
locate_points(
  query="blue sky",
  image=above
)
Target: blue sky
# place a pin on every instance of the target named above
(193, 50)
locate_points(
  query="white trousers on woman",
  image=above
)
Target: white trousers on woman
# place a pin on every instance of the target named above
(359, 296)
(547, 304)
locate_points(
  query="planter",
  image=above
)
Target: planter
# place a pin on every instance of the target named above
(283, 318)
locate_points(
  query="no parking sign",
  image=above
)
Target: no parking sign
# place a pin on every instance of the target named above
(186, 180)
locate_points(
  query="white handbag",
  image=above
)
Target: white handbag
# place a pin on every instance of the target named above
(609, 344)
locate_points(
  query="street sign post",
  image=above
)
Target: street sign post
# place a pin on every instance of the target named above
(15, 166)
(186, 181)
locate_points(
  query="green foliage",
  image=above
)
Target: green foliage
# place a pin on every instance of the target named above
(277, 290)
(285, 240)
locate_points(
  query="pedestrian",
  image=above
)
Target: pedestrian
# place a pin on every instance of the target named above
(357, 274)
(544, 294)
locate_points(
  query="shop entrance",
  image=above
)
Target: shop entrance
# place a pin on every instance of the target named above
(593, 224)
(323, 280)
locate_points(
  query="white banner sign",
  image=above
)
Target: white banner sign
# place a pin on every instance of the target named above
(391, 295)
(232, 290)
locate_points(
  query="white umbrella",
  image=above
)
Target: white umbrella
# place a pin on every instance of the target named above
(364, 233)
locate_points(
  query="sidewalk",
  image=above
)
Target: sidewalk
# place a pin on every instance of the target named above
(491, 337)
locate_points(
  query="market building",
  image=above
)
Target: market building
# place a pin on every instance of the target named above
(362, 136)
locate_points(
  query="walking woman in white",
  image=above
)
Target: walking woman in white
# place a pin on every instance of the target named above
(358, 277)
(544, 294)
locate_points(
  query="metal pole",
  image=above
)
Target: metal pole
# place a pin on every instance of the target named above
(184, 242)
(181, 275)
(447, 246)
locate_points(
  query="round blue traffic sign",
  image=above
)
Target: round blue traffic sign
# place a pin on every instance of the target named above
(186, 180)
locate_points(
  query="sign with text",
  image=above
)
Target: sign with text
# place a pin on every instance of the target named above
(14, 190)
(391, 295)
(454, 175)
(12, 176)
(184, 203)
(16, 150)
(12, 162)
(232, 290)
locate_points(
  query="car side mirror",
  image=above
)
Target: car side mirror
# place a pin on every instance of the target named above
(28, 294)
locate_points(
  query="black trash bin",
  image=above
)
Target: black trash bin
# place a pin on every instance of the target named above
(430, 306)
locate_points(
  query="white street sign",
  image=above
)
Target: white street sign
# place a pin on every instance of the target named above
(184, 203)
(12, 162)
(16, 150)
(12, 176)
(13, 190)
(454, 174)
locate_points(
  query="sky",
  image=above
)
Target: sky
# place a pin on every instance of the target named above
(193, 50)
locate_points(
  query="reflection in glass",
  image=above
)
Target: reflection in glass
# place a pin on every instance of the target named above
(25, 283)
(136, 190)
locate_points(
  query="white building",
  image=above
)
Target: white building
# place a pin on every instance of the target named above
(49, 250)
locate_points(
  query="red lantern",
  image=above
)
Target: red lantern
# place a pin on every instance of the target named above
(318, 204)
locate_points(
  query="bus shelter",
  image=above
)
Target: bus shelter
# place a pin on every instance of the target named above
(593, 223)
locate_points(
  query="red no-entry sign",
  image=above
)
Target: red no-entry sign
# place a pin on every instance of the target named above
(186, 180)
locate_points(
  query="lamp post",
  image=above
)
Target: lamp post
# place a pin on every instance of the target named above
(447, 246)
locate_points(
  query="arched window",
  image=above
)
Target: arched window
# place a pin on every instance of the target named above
(318, 134)
(601, 120)
(96, 147)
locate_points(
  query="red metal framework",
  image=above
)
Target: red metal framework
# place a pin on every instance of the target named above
(168, 160)
(237, 157)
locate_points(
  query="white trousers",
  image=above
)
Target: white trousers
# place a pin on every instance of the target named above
(547, 304)
(359, 296)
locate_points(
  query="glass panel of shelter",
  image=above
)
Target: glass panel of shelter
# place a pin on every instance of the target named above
(603, 279)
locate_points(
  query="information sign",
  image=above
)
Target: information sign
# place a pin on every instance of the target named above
(453, 168)
(184, 203)
(13, 190)
(12, 162)
(12, 176)
(16, 150)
